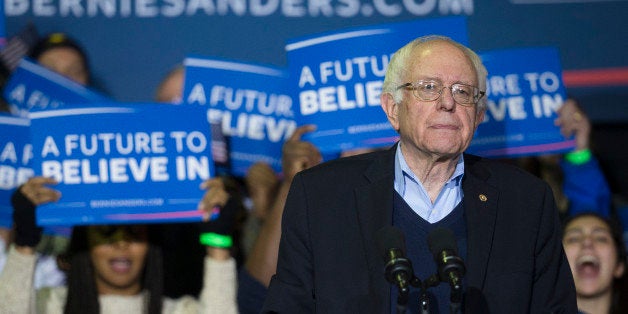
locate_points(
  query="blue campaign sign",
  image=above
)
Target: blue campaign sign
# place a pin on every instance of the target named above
(121, 163)
(524, 90)
(337, 78)
(33, 86)
(15, 161)
(250, 101)
(3, 32)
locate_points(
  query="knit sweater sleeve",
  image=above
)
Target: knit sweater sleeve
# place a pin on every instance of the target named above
(16, 283)
(219, 287)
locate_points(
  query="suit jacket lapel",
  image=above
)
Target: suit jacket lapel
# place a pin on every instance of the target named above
(374, 202)
(480, 205)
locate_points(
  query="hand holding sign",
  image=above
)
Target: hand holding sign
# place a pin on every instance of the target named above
(261, 183)
(573, 122)
(24, 200)
(36, 190)
(215, 197)
(299, 155)
(221, 205)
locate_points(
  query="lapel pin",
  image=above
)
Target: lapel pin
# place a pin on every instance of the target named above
(483, 198)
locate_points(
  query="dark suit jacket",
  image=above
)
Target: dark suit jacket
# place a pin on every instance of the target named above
(329, 261)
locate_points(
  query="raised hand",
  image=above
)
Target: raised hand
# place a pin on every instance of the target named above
(261, 182)
(573, 121)
(299, 155)
(24, 201)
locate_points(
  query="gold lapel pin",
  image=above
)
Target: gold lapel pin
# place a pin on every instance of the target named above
(483, 198)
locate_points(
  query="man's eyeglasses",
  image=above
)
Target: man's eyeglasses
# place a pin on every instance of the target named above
(463, 94)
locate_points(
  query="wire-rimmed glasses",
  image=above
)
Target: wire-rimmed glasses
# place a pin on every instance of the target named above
(463, 94)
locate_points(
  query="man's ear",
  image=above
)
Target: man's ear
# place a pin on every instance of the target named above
(479, 118)
(391, 109)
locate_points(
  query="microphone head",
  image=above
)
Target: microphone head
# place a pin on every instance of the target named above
(398, 269)
(442, 244)
(388, 238)
(442, 239)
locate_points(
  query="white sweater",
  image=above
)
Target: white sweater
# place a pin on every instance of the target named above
(19, 297)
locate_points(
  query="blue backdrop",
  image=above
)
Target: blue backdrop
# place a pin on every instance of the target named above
(133, 43)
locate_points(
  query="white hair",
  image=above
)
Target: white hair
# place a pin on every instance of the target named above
(397, 67)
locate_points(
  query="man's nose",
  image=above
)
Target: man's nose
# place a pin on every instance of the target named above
(446, 100)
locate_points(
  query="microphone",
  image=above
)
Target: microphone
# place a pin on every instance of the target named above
(398, 271)
(442, 244)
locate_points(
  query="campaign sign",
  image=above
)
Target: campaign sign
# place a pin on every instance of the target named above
(3, 32)
(250, 101)
(122, 163)
(524, 90)
(33, 86)
(15, 161)
(337, 80)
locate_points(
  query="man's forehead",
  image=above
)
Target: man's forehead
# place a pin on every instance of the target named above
(432, 60)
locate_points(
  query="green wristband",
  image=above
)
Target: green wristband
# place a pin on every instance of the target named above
(216, 240)
(579, 157)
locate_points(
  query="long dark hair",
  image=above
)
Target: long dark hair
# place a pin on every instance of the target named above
(82, 295)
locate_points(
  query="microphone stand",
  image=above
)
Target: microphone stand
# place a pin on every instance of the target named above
(455, 298)
(424, 302)
(402, 298)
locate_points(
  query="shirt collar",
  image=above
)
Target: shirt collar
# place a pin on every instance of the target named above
(402, 170)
